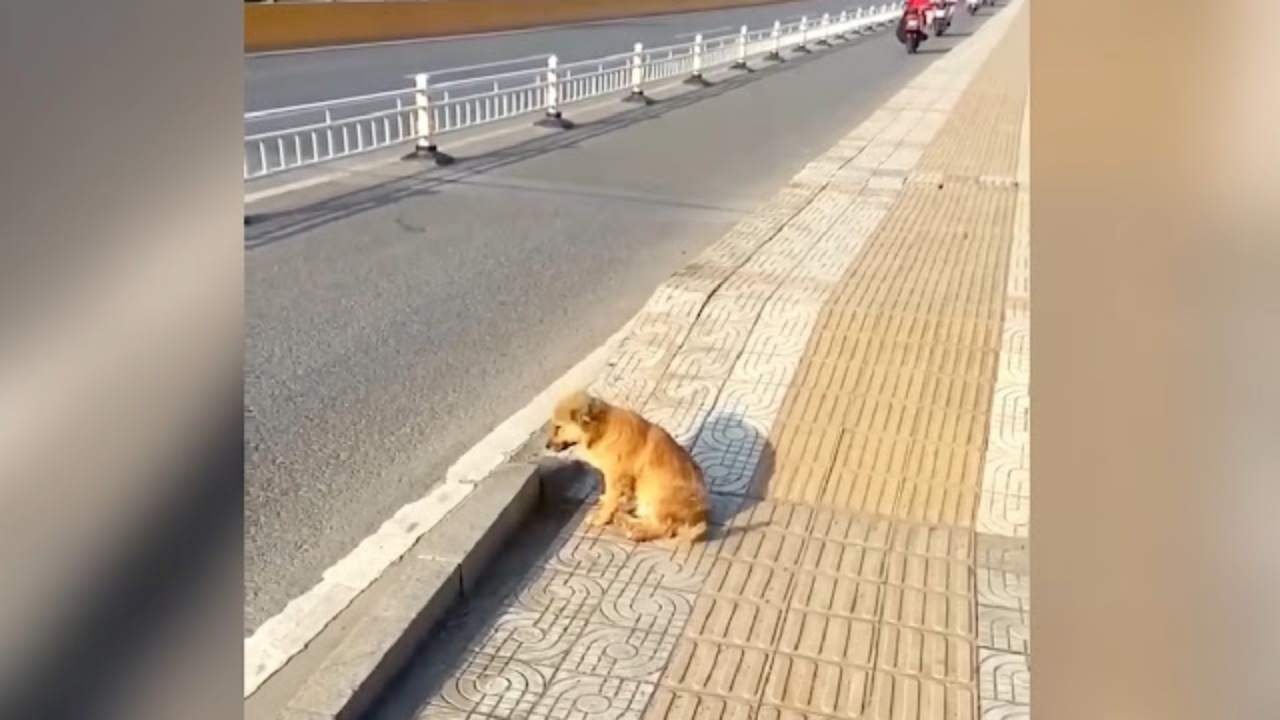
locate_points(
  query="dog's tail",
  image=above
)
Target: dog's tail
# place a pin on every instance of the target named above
(692, 533)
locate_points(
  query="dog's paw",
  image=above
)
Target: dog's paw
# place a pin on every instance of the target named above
(599, 518)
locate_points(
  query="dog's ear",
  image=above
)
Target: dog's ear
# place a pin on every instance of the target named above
(588, 411)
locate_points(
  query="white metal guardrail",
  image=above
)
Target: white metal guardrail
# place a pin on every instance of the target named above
(284, 139)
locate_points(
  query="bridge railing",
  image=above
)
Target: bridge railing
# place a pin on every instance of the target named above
(283, 139)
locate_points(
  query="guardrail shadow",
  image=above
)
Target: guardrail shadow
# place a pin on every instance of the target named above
(537, 605)
(270, 227)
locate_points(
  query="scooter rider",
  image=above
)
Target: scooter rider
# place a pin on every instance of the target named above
(923, 7)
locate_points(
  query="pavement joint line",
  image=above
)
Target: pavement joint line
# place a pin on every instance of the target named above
(463, 140)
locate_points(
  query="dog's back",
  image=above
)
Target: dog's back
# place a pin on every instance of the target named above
(640, 462)
(669, 488)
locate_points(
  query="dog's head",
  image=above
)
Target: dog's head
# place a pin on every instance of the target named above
(574, 421)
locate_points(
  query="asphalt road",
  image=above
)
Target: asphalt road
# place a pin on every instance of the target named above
(389, 328)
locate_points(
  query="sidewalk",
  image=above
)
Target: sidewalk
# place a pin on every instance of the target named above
(850, 367)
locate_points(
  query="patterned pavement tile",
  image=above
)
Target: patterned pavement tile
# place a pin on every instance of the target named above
(1005, 711)
(1005, 630)
(587, 553)
(1006, 474)
(783, 328)
(1003, 589)
(724, 322)
(1004, 514)
(497, 688)
(644, 607)
(586, 697)
(680, 405)
(734, 437)
(768, 372)
(625, 653)
(1004, 677)
(669, 565)
(559, 593)
(537, 639)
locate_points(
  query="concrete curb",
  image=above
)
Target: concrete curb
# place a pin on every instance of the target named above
(351, 662)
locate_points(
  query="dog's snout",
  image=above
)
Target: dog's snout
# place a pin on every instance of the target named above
(558, 445)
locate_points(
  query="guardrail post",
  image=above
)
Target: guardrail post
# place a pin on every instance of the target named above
(803, 47)
(553, 118)
(741, 63)
(424, 144)
(824, 30)
(637, 77)
(776, 53)
(696, 78)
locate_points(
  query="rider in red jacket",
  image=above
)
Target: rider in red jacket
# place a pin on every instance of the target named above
(923, 7)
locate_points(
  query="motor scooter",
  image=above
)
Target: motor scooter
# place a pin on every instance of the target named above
(941, 17)
(911, 30)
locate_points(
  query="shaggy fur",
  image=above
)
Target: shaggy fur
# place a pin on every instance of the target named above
(652, 487)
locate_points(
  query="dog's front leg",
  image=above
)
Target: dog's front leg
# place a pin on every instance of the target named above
(616, 490)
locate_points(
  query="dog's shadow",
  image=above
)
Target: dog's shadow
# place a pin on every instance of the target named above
(737, 461)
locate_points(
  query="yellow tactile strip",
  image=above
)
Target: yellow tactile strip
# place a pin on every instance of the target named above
(982, 137)
(889, 410)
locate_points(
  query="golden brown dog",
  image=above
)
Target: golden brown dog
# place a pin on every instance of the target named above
(641, 465)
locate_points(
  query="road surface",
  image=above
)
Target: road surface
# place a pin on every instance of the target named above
(389, 329)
